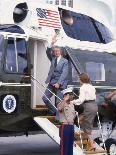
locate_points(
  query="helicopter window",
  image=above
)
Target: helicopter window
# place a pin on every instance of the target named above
(75, 77)
(96, 71)
(84, 28)
(11, 56)
(106, 34)
(63, 2)
(20, 12)
(16, 58)
(22, 55)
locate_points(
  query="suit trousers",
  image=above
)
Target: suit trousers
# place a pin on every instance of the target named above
(48, 95)
(66, 139)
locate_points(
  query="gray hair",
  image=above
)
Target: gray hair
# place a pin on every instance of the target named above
(55, 46)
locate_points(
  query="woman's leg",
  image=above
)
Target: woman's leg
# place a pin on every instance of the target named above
(90, 145)
(81, 119)
(90, 111)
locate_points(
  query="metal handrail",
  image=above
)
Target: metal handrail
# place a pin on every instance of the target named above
(45, 87)
(100, 126)
(44, 94)
(72, 60)
(80, 130)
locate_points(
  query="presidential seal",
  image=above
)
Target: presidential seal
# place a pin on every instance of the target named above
(9, 103)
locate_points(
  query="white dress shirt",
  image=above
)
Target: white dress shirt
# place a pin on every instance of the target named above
(58, 59)
(87, 92)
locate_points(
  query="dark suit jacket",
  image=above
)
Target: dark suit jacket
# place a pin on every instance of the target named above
(58, 74)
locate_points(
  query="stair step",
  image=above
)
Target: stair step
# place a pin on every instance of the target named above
(77, 135)
(50, 118)
(45, 123)
(78, 142)
(84, 143)
(96, 151)
(57, 125)
(41, 106)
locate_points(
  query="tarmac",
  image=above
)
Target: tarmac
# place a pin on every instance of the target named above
(39, 144)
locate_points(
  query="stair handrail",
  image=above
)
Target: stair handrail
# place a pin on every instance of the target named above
(100, 126)
(45, 87)
(45, 95)
(80, 130)
(49, 89)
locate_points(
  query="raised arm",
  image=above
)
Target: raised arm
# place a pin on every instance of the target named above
(49, 49)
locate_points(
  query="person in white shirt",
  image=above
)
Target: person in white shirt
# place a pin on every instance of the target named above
(87, 97)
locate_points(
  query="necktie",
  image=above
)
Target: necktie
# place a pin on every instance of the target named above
(55, 63)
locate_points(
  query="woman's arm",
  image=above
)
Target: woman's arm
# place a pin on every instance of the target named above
(81, 98)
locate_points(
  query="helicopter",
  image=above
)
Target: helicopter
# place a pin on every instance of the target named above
(25, 32)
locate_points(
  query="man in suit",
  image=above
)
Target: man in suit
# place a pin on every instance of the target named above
(57, 79)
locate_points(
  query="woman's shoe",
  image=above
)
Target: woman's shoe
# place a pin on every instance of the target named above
(90, 145)
(91, 149)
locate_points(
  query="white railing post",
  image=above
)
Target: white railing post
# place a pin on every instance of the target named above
(67, 3)
(54, 2)
(60, 2)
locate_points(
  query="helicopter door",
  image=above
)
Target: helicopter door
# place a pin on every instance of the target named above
(14, 73)
(41, 64)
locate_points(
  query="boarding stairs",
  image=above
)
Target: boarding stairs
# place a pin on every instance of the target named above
(51, 127)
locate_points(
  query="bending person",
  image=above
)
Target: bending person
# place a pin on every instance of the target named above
(87, 97)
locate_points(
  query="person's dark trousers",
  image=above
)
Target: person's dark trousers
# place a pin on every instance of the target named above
(48, 95)
(67, 139)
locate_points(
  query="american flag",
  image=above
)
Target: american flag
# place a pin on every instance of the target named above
(48, 18)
